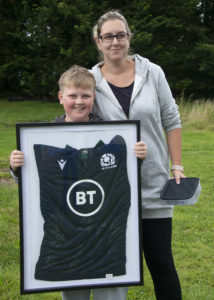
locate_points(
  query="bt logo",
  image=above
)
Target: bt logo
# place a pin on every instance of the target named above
(85, 197)
(81, 197)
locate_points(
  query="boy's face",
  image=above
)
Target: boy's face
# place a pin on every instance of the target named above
(77, 103)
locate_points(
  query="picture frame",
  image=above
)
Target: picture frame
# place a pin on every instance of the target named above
(60, 206)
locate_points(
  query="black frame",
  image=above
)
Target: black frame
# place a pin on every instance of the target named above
(24, 132)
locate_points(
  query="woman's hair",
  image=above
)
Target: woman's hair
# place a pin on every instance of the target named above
(111, 15)
(78, 77)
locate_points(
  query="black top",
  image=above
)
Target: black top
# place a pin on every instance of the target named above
(123, 95)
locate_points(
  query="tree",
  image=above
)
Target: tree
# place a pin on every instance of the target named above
(203, 52)
(168, 34)
(51, 35)
(11, 44)
(40, 39)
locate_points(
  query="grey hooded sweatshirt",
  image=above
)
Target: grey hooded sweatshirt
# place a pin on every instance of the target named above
(153, 104)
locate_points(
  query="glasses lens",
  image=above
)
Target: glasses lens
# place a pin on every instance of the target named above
(121, 36)
(107, 37)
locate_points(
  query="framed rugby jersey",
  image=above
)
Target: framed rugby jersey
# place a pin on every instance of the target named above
(80, 210)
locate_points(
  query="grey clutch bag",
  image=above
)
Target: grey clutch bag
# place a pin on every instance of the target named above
(185, 193)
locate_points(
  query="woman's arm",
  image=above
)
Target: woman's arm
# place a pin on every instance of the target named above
(174, 146)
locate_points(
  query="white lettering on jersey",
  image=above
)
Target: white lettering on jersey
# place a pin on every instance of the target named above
(81, 197)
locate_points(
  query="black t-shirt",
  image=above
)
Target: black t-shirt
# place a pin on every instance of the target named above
(123, 95)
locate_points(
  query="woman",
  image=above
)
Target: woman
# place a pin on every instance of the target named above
(134, 88)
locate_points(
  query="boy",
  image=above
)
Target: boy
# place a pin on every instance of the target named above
(76, 94)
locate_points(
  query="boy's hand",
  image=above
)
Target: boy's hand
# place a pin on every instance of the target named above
(140, 150)
(16, 159)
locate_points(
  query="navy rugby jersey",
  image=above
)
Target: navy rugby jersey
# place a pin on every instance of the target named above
(85, 200)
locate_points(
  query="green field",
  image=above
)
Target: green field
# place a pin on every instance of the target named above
(193, 226)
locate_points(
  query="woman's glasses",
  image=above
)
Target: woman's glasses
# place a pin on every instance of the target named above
(108, 37)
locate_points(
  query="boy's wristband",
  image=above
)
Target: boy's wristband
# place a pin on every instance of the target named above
(177, 167)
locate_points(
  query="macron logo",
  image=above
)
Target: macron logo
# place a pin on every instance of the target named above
(62, 163)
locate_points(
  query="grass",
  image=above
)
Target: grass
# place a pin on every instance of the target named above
(193, 226)
(198, 115)
(22, 112)
(193, 237)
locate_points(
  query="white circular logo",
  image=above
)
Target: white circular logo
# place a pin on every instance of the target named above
(85, 197)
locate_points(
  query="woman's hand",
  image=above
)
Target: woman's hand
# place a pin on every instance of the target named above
(16, 160)
(177, 174)
(140, 150)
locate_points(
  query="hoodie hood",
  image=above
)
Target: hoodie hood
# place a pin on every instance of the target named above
(141, 68)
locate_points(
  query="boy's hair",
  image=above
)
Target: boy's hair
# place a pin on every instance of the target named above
(78, 77)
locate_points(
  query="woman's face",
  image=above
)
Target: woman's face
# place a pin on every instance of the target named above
(114, 50)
